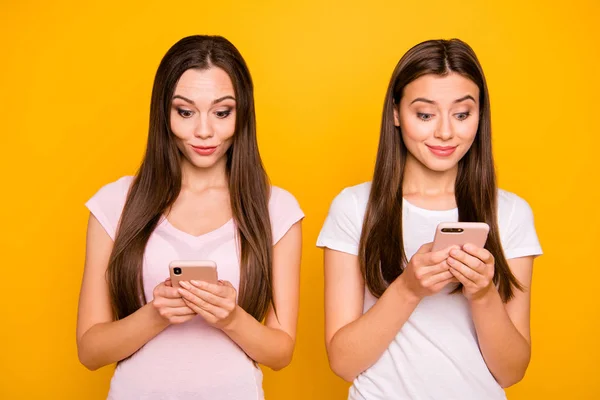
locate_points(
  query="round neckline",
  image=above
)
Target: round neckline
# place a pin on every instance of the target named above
(188, 236)
(426, 211)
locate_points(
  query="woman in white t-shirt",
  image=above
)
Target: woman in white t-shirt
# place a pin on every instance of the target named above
(403, 322)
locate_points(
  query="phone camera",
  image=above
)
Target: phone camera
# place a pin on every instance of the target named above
(177, 271)
(452, 230)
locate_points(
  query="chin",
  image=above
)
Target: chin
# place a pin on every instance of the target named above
(203, 161)
(440, 165)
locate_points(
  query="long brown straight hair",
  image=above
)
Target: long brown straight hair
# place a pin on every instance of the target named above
(157, 184)
(381, 252)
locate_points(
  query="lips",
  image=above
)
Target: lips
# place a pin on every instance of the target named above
(442, 151)
(204, 150)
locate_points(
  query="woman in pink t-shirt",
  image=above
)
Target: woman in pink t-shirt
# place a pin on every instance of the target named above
(201, 193)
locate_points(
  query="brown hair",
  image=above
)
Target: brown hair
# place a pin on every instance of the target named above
(381, 254)
(158, 182)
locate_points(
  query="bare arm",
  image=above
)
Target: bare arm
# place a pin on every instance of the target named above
(503, 330)
(100, 339)
(346, 328)
(271, 344)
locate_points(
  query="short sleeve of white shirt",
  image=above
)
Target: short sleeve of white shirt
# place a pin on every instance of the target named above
(519, 237)
(343, 225)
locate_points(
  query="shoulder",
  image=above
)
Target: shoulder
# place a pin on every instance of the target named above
(517, 227)
(281, 200)
(284, 211)
(511, 207)
(119, 186)
(108, 202)
(353, 198)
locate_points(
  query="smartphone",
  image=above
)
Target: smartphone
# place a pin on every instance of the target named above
(192, 270)
(460, 233)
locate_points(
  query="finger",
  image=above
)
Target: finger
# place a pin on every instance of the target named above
(180, 311)
(435, 279)
(439, 256)
(167, 292)
(181, 318)
(468, 260)
(426, 271)
(216, 289)
(462, 278)
(467, 272)
(208, 311)
(426, 248)
(167, 302)
(168, 282)
(441, 284)
(480, 253)
(197, 304)
(226, 283)
(207, 316)
(208, 297)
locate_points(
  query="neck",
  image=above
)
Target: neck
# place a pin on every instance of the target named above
(199, 179)
(422, 181)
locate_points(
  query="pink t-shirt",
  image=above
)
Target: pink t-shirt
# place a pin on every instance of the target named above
(191, 360)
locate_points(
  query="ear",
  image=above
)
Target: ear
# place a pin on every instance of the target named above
(396, 115)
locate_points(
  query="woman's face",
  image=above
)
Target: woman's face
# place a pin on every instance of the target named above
(203, 115)
(438, 117)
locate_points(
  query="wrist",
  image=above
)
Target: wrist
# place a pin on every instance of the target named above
(155, 318)
(402, 290)
(489, 295)
(234, 323)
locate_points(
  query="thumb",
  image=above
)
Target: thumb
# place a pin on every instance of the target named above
(426, 248)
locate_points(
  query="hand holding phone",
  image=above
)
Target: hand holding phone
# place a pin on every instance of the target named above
(169, 305)
(426, 274)
(197, 284)
(472, 265)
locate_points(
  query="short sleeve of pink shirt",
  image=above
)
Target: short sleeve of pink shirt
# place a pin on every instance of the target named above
(107, 205)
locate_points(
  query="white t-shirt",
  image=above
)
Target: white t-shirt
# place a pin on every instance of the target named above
(435, 355)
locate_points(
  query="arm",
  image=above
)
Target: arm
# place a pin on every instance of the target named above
(503, 329)
(346, 328)
(100, 340)
(271, 344)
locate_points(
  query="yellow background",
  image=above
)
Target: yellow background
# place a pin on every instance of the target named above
(75, 82)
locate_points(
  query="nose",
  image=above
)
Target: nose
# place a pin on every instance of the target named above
(204, 129)
(443, 130)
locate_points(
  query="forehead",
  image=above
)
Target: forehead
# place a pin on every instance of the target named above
(441, 89)
(207, 83)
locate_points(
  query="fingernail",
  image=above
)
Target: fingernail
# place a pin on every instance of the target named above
(181, 291)
(198, 283)
(454, 252)
(184, 284)
(468, 247)
(451, 261)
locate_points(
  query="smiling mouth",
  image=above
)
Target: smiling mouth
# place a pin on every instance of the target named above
(442, 151)
(204, 150)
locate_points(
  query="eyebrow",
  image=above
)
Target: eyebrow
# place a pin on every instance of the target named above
(220, 99)
(424, 100)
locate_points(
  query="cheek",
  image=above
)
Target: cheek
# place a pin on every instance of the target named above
(182, 129)
(468, 130)
(415, 131)
(225, 127)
